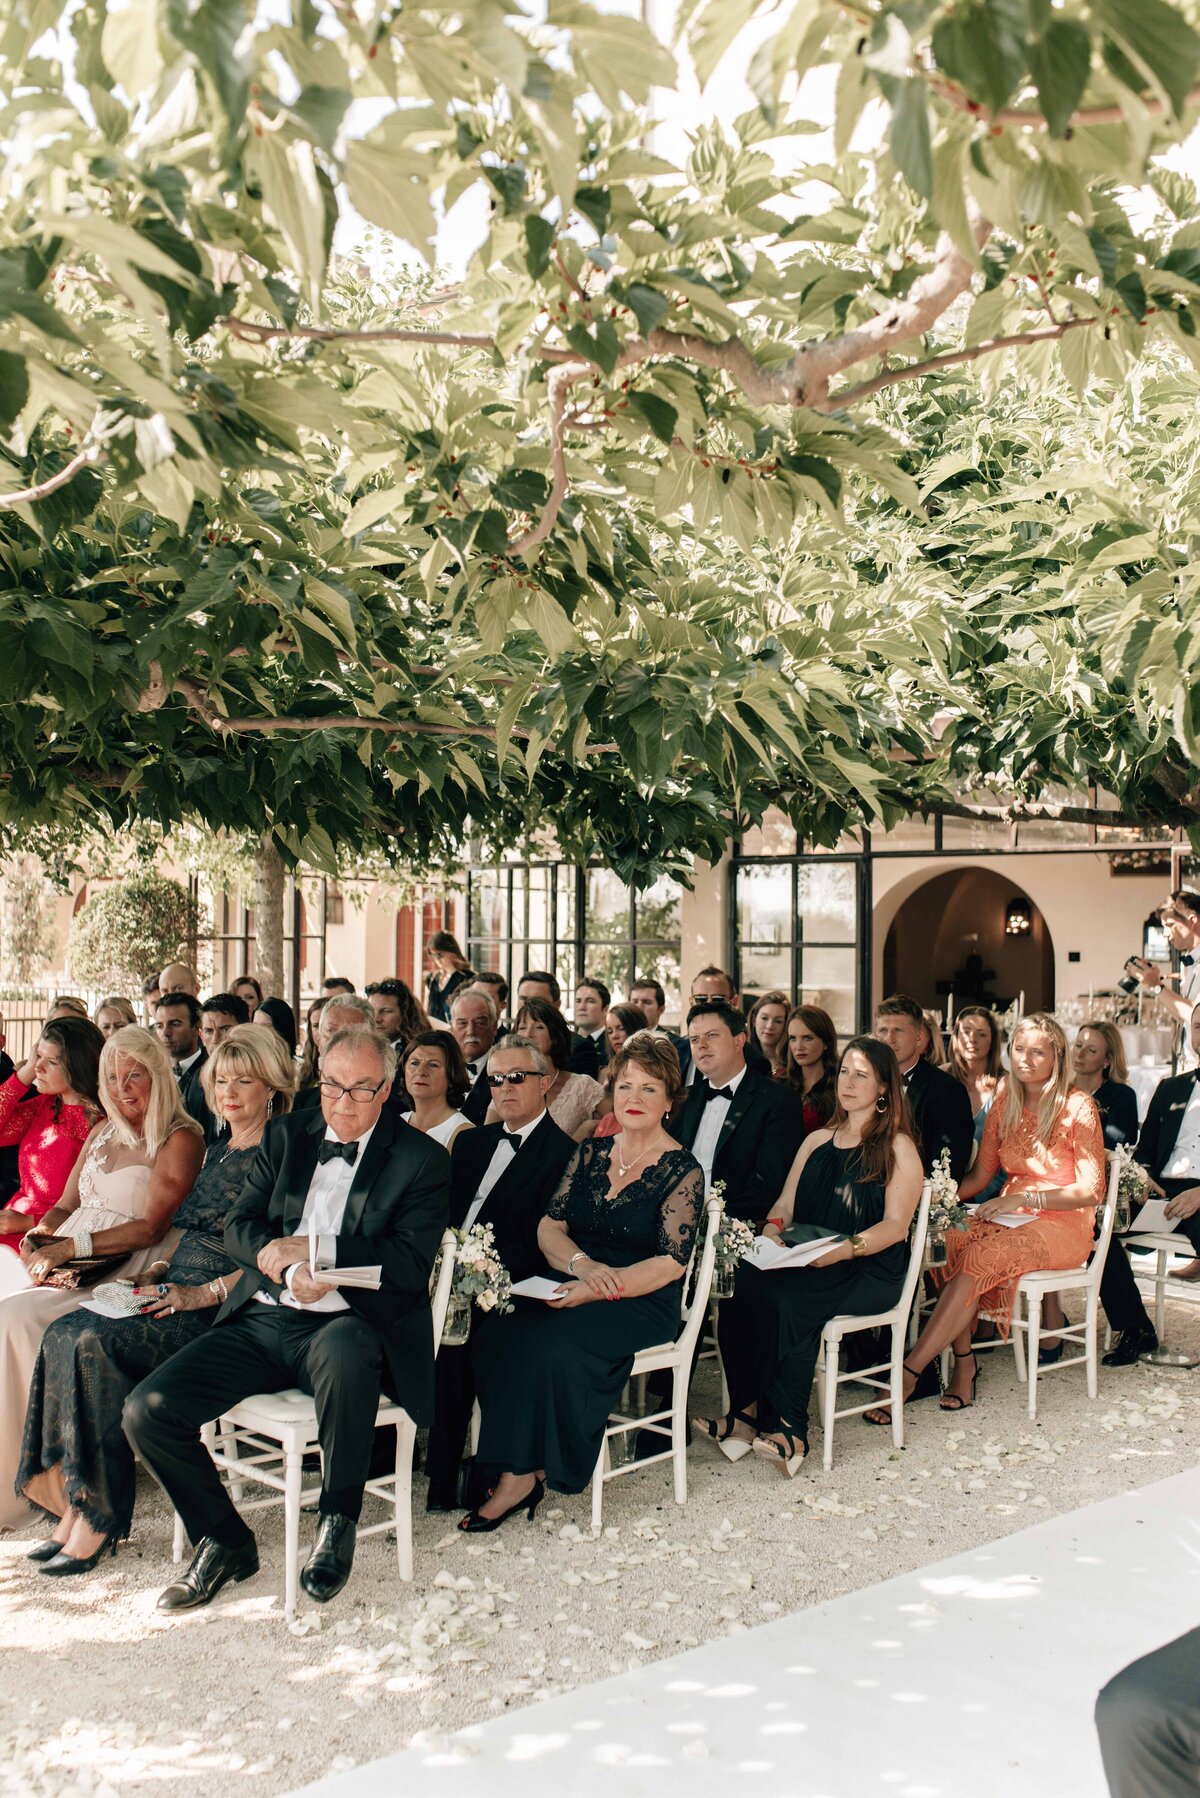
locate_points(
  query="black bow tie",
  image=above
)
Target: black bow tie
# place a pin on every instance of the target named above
(717, 1092)
(338, 1151)
(1187, 960)
(512, 1139)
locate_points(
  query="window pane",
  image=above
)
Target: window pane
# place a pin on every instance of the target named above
(564, 969)
(974, 833)
(762, 969)
(489, 909)
(827, 978)
(539, 902)
(608, 962)
(607, 901)
(657, 910)
(565, 904)
(849, 843)
(661, 964)
(827, 901)
(764, 906)
(774, 836)
(520, 926)
(910, 833)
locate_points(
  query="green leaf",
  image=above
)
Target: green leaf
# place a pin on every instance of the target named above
(648, 306)
(595, 203)
(216, 34)
(371, 508)
(1060, 61)
(510, 181)
(129, 45)
(909, 136)
(1158, 38)
(714, 30)
(390, 194)
(658, 414)
(981, 44)
(539, 241)
(292, 195)
(14, 386)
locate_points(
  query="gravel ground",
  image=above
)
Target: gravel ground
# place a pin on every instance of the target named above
(112, 1698)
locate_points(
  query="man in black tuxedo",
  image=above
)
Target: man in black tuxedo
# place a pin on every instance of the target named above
(371, 1191)
(539, 984)
(742, 1129)
(503, 1175)
(496, 988)
(473, 1021)
(592, 1000)
(714, 983)
(177, 1027)
(346, 1011)
(940, 1105)
(1169, 1150)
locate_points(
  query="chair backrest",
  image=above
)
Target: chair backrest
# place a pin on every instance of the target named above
(695, 1309)
(1109, 1213)
(440, 1294)
(916, 1251)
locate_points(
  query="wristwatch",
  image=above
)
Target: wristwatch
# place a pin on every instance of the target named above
(858, 1245)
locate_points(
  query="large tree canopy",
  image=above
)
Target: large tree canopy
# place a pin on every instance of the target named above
(684, 502)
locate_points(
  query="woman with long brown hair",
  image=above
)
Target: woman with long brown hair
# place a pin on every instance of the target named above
(860, 1178)
(1048, 1139)
(767, 1028)
(451, 971)
(810, 1062)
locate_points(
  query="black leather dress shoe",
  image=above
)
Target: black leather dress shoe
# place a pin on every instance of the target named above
(328, 1566)
(1129, 1345)
(212, 1567)
(441, 1498)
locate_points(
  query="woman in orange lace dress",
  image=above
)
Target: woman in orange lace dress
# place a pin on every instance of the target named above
(1049, 1141)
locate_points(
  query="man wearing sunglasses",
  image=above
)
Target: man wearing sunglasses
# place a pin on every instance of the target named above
(505, 1175)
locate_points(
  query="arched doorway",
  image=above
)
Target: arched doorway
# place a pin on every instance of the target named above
(950, 935)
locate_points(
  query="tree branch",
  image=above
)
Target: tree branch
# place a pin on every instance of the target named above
(912, 370)
(1022, 811)
(1025, 119)
(87, 456)
(254, 333)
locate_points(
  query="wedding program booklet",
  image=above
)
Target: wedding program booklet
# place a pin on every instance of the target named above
(768, 1255)
(366, 1279)
(536, 1287)
(1153, 1216)
(1013, 1220)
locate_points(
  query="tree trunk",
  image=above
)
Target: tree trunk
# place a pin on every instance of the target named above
(268, 915)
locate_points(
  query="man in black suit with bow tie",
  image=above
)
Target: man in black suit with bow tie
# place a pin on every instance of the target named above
(474, 1021)
(940, 1105)
(742, 1129)
(368, 1190)
(503, 1175)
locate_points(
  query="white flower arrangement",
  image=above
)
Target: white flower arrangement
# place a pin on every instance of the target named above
(734, 1240)
(479, 1274)
(945, 1212)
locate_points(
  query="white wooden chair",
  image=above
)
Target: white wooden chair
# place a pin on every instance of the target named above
(1026, 1327)
(266, 1437)
(897, 1321)
(677, 1358)
(1166, 1247)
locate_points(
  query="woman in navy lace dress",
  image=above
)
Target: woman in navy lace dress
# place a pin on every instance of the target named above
(75, 1462)
(619, 1231)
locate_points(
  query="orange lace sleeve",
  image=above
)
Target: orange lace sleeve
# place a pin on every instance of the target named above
(1087, 1145)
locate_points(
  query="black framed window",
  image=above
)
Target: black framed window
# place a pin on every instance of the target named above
(801, 924)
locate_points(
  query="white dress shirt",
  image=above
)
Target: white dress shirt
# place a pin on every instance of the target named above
(501, 1160)
(715, 1112)
(1184, 1160)
(324, 1209)
(184, 1068)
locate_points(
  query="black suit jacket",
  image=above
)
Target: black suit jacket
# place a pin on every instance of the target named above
(1161, 1128)
(584, 1057)
(517, 1203)
(763, 1129)
(1117, 1105)
(476, 1103)
(395, 1215)
(941, 1114)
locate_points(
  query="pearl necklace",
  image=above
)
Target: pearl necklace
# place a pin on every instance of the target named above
(624, 1166)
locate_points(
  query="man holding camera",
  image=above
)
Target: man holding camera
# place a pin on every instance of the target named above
(1180, 916)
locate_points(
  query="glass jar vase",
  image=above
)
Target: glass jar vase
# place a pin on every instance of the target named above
(457, 1328)
(935, 1249)
(722, 1281)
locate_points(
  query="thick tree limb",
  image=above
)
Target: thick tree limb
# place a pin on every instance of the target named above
(847, 396)
(1022, 811)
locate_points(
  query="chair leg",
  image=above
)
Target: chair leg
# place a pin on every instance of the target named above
(898, 1385)
(712, 1324)
(1034, 1334)
(598, 1478)
(177, 1540)
(833, 1355)
(1091, 1331)
(679, 1433)
(475, 1427)
(1160, 1294)
(1018, 1339)
(406, 1437)
(291, 1532)
(229, 1445)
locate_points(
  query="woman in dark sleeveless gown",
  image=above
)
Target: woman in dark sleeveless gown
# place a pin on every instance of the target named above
(75, 1461)
(620, 1228)
(861, 1178)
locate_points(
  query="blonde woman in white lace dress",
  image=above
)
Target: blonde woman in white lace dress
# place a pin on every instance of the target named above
(136, 1169)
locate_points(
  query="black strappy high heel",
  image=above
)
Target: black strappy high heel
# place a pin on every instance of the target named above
(881, 1415)
(952, 1401)
(731, 1446)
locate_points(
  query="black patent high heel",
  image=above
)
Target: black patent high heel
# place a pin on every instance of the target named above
(476, 1524)
(64, 1564)
(951, 1401)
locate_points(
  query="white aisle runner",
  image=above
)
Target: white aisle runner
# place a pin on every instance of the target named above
(975, 1675)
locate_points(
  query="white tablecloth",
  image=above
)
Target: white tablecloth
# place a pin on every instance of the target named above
(1157, 1041)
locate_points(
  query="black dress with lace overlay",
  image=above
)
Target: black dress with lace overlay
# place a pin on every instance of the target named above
(770, 1330)
(548, 1380)
(89, 1364)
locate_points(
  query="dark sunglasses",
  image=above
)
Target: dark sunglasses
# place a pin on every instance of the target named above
(516, 1078)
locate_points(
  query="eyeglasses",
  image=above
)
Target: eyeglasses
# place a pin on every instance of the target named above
(359, 1095)
(516, 1078)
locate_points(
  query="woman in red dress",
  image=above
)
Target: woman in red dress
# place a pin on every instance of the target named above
(810, 1063)
(48, 1107)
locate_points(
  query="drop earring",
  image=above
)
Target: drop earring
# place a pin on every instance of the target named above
(881, 1103)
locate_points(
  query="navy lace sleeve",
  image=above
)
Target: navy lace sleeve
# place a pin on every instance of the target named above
(679, 1213)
